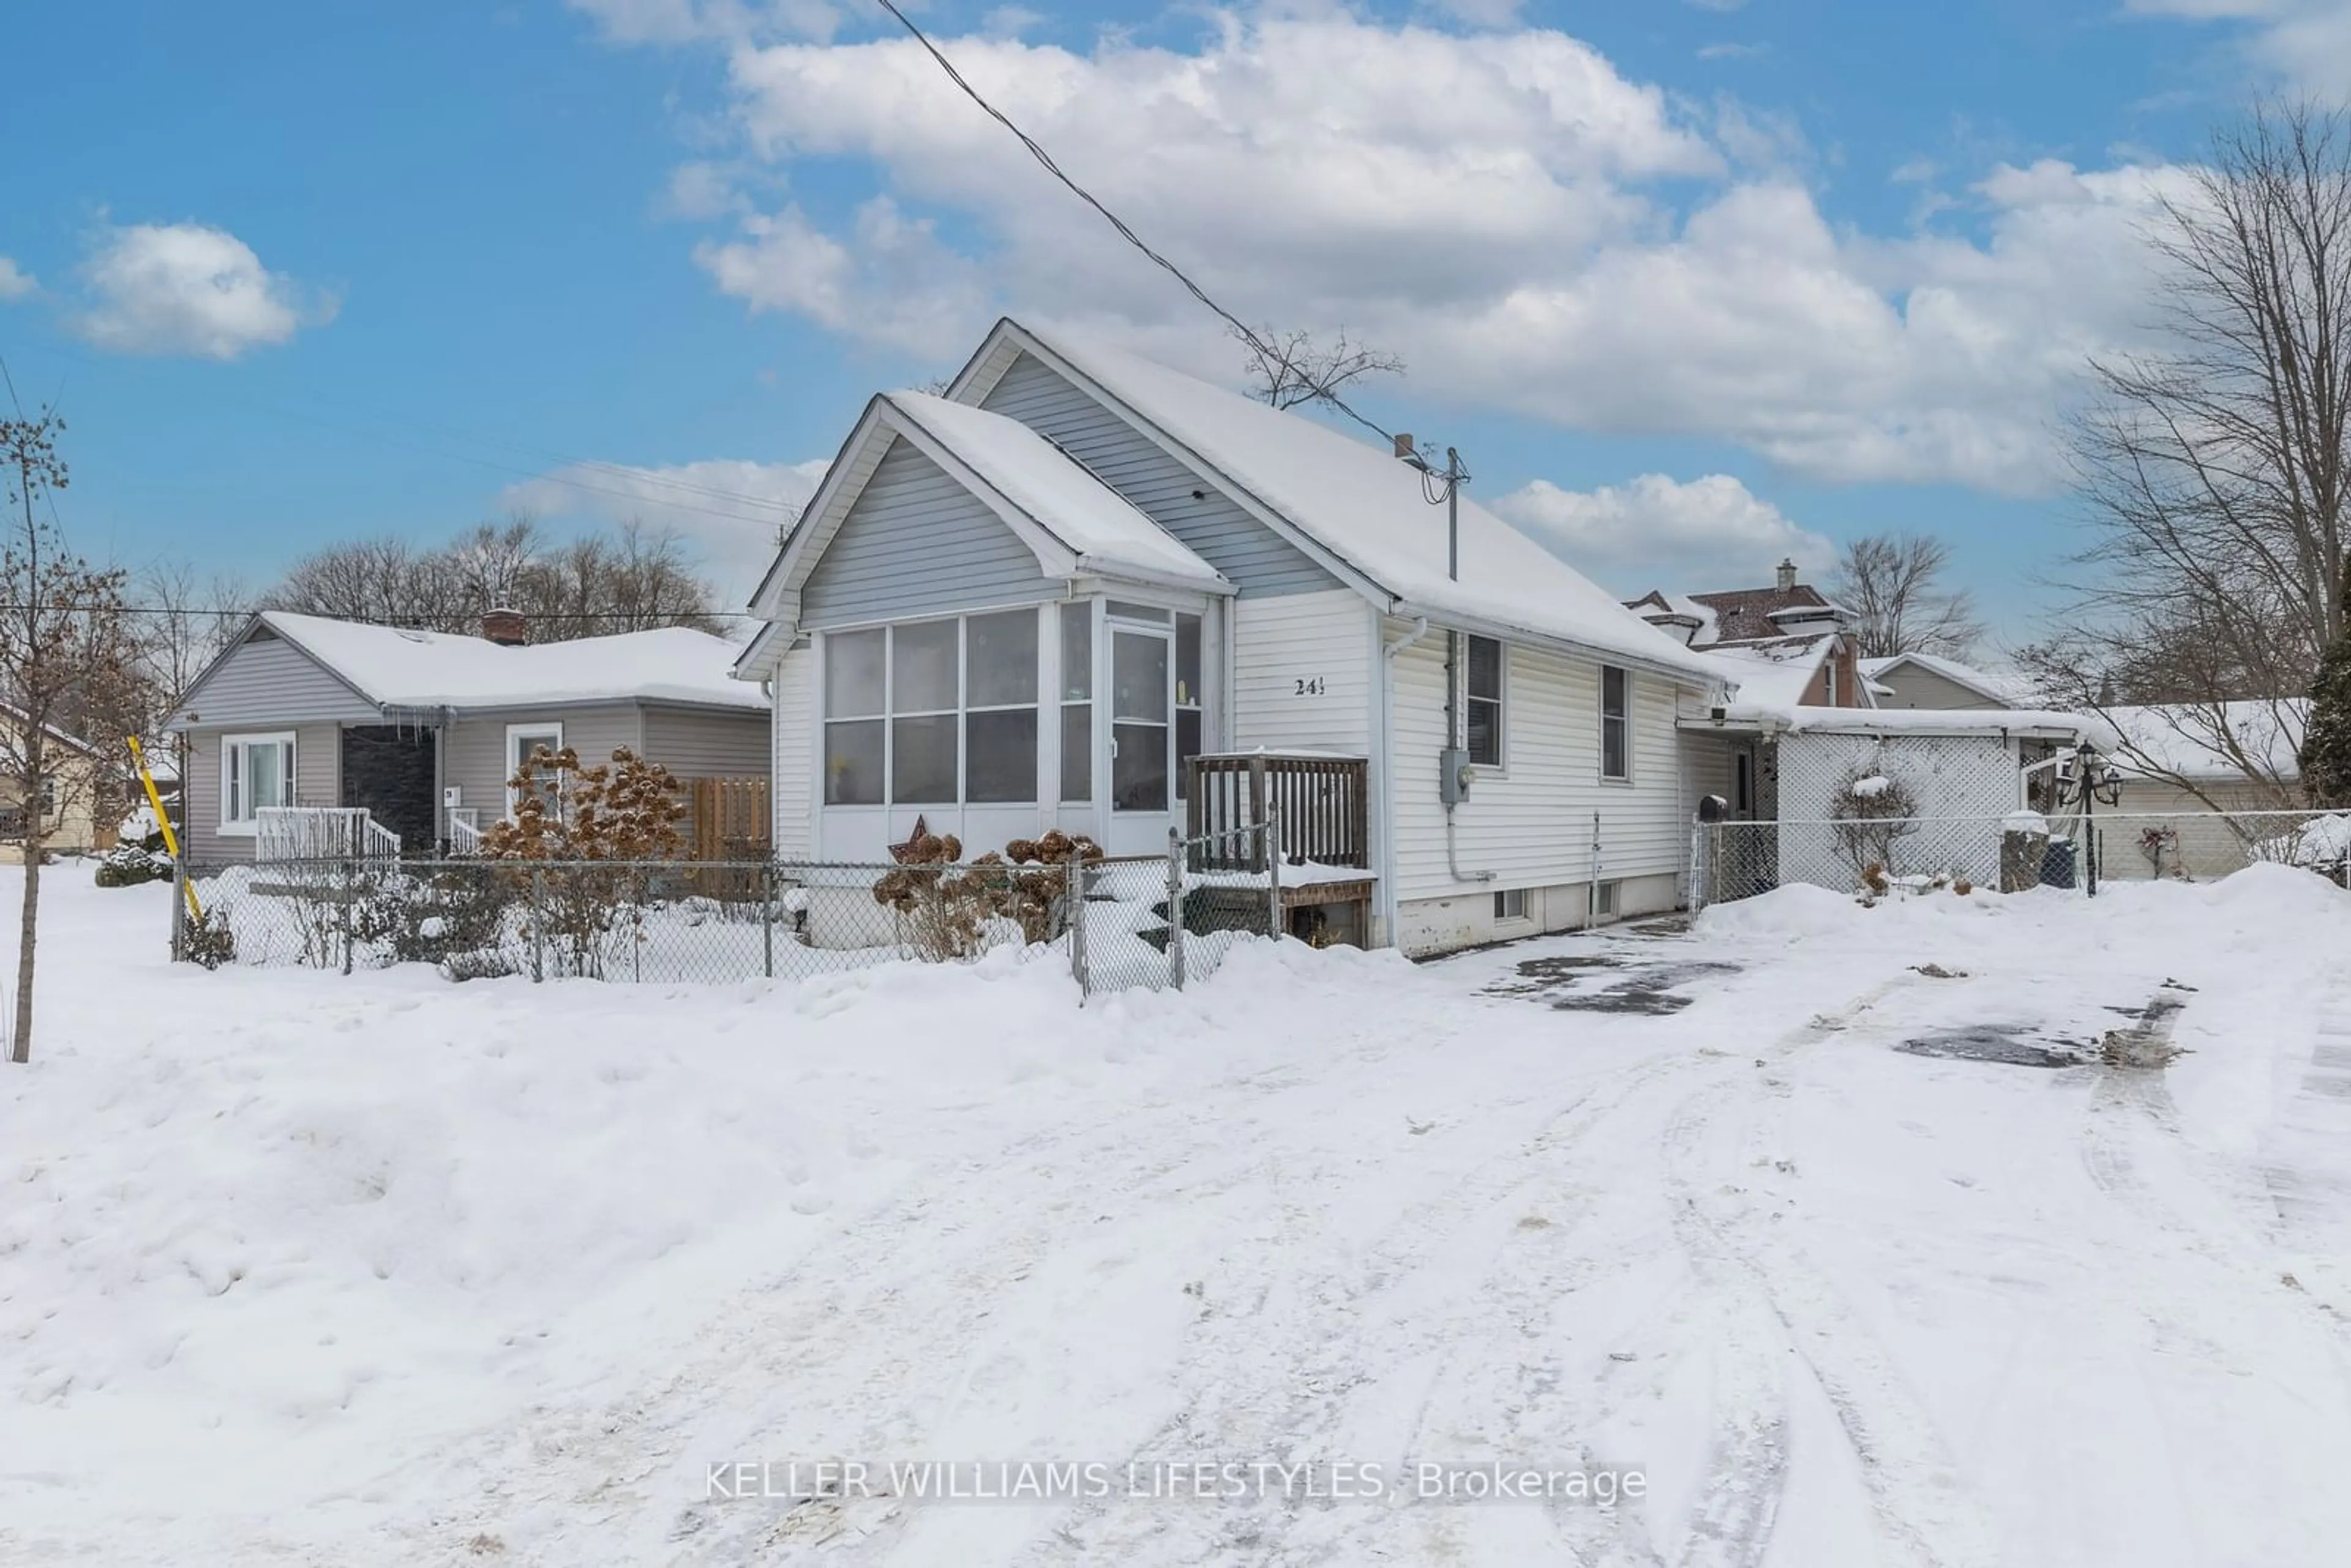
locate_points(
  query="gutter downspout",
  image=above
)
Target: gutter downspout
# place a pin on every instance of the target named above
(1388, 652)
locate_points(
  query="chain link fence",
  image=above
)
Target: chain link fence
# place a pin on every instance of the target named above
(1162, 920)
(1150, 921)
(1896, 856)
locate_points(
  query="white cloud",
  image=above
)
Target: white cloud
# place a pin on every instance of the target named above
(15, 283)
(690, 21)
(1733, 51)
(1529, 229)
(731, 511)
(185, 288)
(2304, 41)
(889, 280)
(1660, 532)
(1009, 21)
(700, 192)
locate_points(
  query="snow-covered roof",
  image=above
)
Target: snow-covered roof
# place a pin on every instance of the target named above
(2182, 741)
(2000, 687)
(398, 668)
(1362, 506)
(2042, 723)
(16, 716)
(1772, 677)
(1056, 491)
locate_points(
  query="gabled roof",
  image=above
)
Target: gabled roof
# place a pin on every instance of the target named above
(1057, 493)
(1744, 615)
(15, 716)
(1991, 688)
(396, 668)
(1353, 507)
(1073, 523)
(1772, 677)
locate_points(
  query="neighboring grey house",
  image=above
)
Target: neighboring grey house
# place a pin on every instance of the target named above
(423, 729)
(1040, 599)
(1931, 680)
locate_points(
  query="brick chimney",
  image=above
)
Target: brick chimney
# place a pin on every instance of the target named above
(506, 626)
(1787, 575)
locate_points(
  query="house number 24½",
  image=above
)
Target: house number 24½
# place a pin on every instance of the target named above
(1310, 687)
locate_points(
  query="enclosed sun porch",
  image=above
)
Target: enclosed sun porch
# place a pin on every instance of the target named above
(1098, 715)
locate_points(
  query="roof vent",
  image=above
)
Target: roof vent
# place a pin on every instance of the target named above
(506, 626)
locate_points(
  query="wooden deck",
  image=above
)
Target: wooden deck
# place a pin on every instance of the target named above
(1320, 803)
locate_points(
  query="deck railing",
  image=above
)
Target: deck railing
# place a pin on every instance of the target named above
(1320, 801)
(322, 833)
(465, 829)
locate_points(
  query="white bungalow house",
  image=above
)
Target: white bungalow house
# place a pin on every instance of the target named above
(347, 738)
(1079, 582)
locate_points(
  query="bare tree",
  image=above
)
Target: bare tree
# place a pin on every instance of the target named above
(66, 658)
(1895, 585)
(183, 622)
(487, 563)
(631, 580)
(635, 580)
(1287, 369)
(2215, 469)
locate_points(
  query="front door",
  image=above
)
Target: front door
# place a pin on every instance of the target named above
(1142, 740)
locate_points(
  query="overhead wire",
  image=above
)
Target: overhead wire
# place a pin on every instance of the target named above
(1045, 160)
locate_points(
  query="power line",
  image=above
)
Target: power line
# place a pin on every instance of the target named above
(1257, 344)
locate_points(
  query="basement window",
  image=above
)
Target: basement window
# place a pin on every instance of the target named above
(1510, 904)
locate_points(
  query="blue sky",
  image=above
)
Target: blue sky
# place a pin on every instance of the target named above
(1688, 283)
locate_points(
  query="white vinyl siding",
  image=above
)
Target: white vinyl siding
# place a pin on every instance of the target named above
(1302, 674)
(1188, 505)
(1531, 826)
(794, 736)
(916, 542)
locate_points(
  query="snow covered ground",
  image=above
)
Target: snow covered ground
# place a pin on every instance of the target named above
(1824, 1219)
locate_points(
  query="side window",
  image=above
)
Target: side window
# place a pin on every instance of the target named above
(1615, 722)
(256, 773)
(856, 665)
(1483, 700)
(1077, 700)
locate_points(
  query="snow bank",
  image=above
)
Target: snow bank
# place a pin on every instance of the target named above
(1785, 914)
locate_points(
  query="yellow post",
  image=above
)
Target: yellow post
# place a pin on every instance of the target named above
(163, 820)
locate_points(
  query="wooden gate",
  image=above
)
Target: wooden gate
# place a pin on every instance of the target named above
(728, 818)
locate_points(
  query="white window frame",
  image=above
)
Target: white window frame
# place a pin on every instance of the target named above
(514, 732)
(248, 825)
(1501, 701)
(1034, 704)
(1047, 707)
(1503, 897)
(1605, 719)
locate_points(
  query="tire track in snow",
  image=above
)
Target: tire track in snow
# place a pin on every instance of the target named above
(1914, 1485)
(1268, 1398)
